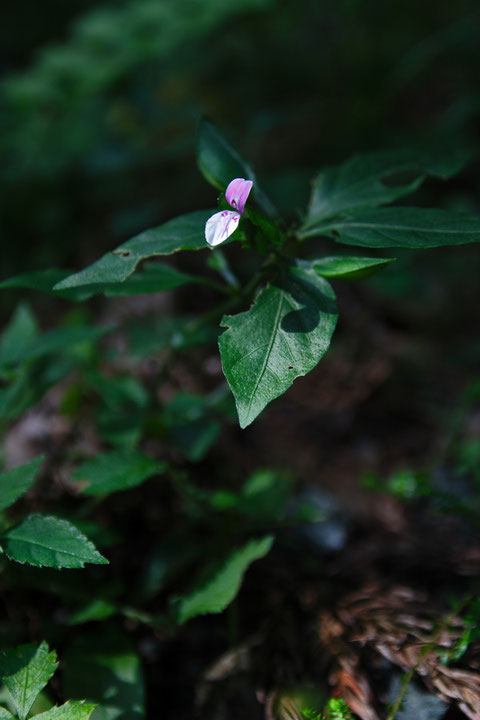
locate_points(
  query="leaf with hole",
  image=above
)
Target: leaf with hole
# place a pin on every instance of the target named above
(186, 232)
(284, 335)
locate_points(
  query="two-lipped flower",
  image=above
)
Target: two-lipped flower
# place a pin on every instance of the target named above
(222, 224)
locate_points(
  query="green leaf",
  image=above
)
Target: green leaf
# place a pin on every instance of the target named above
(360, 181)
(220, 163)
(18, 336)
(403, 227)
(44, 280)
(283, 336)
(186, 232)
(14, 483)
(25, 671)
(217, 160)
(72, 710)
(192, 425)
(117, 470)
(219, 590)
(98, 609)
(47, 541)
(103, 667)
(154, 277)
(349, 267)
(5, 715)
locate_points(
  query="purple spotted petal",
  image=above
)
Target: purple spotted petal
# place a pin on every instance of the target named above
(237, 193)
(220, 226)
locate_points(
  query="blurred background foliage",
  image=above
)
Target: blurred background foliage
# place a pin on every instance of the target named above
(100, 102)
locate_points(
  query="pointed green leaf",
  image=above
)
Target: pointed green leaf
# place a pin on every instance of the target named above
(118, 470)
(25, 671)
(5, 714)
(186, 232)
(349, 267)
(283, 336)
(47, 541)
(220, 163)
(14, 483)
(73, 710)
(217, 160)
(402, 227)
(44, 280)
(219, 590)
(365, 180)
(18, 336)
(153, 278)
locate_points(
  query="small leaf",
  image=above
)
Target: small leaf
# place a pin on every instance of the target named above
(218, 591)
(186, 232)
(18, 336)
(117, 470)
(14, 483)
(25, 671)
(359, 182)
(220, 163)
(73, 710)
(349, 267)
(98, 609)
(5, 714)
(47, 541)
(283, 336)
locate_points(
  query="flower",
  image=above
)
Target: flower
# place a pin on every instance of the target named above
(221, 225)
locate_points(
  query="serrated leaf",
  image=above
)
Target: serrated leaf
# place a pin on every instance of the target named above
(18, 336)
(402, 227)
(117, 470)
(186, 232)
(25, 671)
(218, 591)
(360, 181)
(284, 335)
(72, 710)
(47, 541)
(14, 483)
(220, 163)
(349, 267)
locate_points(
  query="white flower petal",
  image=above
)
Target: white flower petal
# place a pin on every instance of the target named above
(220, 226)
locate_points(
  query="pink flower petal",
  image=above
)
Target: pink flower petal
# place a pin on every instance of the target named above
(220, 226)
(237, 193)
